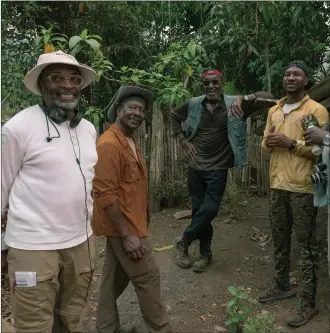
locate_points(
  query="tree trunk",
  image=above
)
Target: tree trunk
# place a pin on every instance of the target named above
(156, 159)
(266, 58)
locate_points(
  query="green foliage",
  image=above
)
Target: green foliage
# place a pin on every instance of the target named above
(94, 115)
(168, 90)
(18, 57)
(47, 36)
(83, 42)
(241, 317)
(172, 42)
(175, 190)
(259, 324)
(261, 37)
(101, 65)
(237, 309)
(172, 96)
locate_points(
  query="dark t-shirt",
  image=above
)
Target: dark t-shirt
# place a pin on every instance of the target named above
(211, 141)
(213, 150)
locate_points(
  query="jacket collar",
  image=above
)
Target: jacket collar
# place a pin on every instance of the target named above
(121, 136)
(282, 101)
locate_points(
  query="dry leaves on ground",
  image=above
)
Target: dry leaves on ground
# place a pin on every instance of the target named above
(164, 248)
(261, 237)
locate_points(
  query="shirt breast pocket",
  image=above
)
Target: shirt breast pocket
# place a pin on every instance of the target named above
(132, 171)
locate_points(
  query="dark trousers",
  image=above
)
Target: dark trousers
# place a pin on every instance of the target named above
(206, 189)
(288, 210)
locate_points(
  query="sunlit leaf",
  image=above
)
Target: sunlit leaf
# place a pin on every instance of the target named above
(74, 40)
(95, 45)
(83, 35)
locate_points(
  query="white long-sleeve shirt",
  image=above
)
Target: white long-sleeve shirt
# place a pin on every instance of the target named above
(42, 182)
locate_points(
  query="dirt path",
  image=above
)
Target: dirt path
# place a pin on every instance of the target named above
(238, 261)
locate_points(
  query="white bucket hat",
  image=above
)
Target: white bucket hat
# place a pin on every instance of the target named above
(57, 57)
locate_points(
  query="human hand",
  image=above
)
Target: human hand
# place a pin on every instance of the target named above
(133, 247)
(236, 108)
(277, 140)
(307, 119)
(189, 147)
(315, 136)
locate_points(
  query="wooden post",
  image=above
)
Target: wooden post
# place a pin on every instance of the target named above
(156, 159)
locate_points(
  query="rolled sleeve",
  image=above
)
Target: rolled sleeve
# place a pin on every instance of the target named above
(321, 114)
(302, 150)
(107, 174)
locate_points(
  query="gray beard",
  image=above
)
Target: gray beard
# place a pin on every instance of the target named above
(65, 105)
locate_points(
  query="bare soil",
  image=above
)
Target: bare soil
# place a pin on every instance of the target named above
(242, 254)
(197, 302)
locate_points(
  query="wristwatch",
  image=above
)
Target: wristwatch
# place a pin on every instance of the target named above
(293, 145)
(326, 140)
(246, 98)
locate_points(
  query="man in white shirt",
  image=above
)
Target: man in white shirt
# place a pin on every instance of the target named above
(48, 159)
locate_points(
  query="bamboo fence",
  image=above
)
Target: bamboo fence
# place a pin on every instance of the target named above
(167, 160)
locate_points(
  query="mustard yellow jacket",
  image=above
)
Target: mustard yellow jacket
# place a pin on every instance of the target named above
(291, 170)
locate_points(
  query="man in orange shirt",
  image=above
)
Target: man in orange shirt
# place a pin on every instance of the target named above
(121, 214)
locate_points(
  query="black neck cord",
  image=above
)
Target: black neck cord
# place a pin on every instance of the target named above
(49, 138)
(86, 208)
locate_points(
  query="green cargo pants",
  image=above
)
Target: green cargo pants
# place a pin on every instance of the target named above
(288, 210)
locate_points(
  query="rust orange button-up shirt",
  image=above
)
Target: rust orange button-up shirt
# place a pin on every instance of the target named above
(119, 177)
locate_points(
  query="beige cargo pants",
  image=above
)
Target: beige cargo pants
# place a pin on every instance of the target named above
(57, 302)
(118, 270)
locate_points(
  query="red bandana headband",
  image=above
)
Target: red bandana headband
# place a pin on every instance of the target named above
(212, 72)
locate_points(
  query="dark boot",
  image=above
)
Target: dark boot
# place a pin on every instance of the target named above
(303, 311)
(277, 292)
(201, 264)
(182, 258)
(206, 257)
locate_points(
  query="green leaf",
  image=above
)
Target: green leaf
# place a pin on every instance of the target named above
(76, 50)
(74, 40)
(233, 290)
(95, 120)
(124, 68)
(95, 36)
(296, 15)
(60, 35)
(192, 48)
(59, 39)
(231, 304)
(243, 46)
(135, 78)
(99, 74)
(94, 44)
(242, 307)
(243, 295)
(254, 50)
(83, 35)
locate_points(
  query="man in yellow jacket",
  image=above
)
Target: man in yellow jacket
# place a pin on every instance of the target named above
(291, 192)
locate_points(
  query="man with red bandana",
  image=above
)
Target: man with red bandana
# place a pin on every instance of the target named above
(214, 136)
